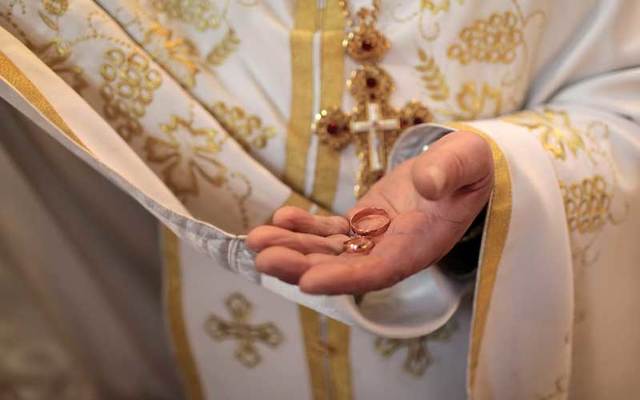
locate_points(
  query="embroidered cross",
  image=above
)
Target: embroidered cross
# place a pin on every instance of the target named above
(239, 329)
(418, 357)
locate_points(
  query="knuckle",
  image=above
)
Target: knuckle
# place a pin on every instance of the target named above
(287, 216)
(255, 239)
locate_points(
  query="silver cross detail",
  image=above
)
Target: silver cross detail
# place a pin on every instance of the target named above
(375, 128)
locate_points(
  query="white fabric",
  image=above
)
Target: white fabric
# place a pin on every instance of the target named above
(561, 321)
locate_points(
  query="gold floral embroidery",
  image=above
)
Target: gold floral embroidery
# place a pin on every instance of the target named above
(204, 15)
(186, 154)
(418, 357)
(239, 329)
(472, 102)
(432, 77)
(224, 48)
(587, 204)
(436, 6)
(128, 87)
(201, 14)
(557, 134)
(56, 7)
(177, 55)
(491, 40)
(427, 8)
(247, 129)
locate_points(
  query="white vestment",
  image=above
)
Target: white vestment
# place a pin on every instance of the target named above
(201, 111)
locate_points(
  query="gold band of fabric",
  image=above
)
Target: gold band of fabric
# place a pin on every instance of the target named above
(332, 77)
(339, 344)
(326, 341)
(498, 218)
(175, 313)
(327, 344)
(299, 129)
(16, 78)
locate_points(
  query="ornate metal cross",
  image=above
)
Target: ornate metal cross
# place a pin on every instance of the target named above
(239, 329)
(373, 126)
(371, 87)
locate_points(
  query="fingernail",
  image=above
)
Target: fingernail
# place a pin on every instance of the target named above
(437, 177)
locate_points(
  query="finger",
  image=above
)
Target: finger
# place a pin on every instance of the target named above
(299, 220)
(286, 264)
(459, 160)
(267, 236)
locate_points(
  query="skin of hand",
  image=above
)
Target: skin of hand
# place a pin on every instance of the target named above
(431, 199)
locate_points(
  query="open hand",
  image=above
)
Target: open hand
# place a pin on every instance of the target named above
(431, 200)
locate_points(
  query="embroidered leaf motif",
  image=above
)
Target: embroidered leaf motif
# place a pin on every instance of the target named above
(433, 79)
(48, 21)
(227, 46)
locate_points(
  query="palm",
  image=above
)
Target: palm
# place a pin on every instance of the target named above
(307, 250)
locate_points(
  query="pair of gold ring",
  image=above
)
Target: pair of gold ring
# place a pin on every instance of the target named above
(362, 242)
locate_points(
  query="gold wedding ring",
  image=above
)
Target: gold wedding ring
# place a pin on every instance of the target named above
(358, 244)
(358, 217)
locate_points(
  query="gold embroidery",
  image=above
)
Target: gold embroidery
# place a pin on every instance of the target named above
(587, 204)
(472, 102)
(418, 357)
(177, 55)
(436, 7)
(432, 77)
(557, 134)
(204, 15)
(186, 154)
(56, 7)
(433, 7)
(246, 128)
(491, 40)
(499, 38)
(201, 14)
(245, 334)
(129, 84)
(224, 48)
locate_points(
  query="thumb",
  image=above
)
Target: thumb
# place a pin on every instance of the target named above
(460, 160)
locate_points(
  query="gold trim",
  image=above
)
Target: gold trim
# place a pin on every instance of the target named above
(326, 343)
(299, 129)
(174, 311)
(315, 352)
(339, 336)
(297, 200)
(16, 78)
(332, 77)
(498, 218)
